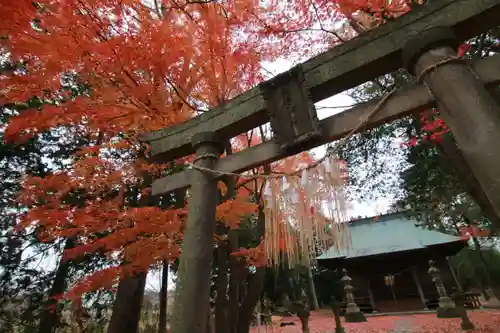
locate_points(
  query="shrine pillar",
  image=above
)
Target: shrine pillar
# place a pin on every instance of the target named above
(193, 285)
(419, 287)
(370, 295)
(464, 104)
(454, 275)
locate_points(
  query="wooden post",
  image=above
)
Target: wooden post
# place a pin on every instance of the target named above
(336, 315)
(447, 308)
(352, 312)
(301, 309)
(311, 290)
(464, 104)
(370, 295)
(419, 287)
(193, 284)
(259, 313)
(454, 275)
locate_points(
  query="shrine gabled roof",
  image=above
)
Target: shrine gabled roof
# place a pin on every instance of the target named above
(387, 234)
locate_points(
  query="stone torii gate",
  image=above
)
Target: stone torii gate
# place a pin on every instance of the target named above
(424, 41)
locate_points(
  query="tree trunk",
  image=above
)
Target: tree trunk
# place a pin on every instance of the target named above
(305, 324)
(485, 268)
(162, 323)
(303, 315)
(209, 328)
(251, 299)
(49, 317)
(237, 274)
(311, 291)
(289, 285)
(127, 307)
(256, 285)
(222, 289)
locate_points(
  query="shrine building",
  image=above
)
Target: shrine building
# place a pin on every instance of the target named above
(389, 260)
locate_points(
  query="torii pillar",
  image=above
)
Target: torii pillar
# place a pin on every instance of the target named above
(192, 292)
(463, 102)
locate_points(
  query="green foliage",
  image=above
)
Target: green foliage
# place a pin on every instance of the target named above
(469, 268)
(328, 284)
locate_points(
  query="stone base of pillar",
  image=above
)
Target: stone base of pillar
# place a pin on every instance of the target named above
(353, 314)
(355, 317)
(447, 309)
(448, 313)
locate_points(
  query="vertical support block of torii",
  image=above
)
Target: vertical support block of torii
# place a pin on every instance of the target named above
(190, 311)
(352, 312)
(447, 308)
(463, 102)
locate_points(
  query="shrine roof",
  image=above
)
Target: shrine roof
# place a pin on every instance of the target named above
(387, 234)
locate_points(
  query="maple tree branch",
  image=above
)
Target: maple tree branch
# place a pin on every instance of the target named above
(316, 11)
(127, 73)
(178, 91)
(159, 11)
(182, 9)
(145, 104)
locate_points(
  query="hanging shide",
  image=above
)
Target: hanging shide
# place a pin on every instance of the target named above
(305, 214)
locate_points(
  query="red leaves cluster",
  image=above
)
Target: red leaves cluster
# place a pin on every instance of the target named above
(232, 212)
(133, 229)
(254, 256)
(433, 128)
(144, 71)
(473, 231)
(380, 8)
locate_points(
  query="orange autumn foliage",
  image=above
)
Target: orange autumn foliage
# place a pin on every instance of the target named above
(146, 70)
(385, 8)
(231, 212)
(254, 256)
(143, 71)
